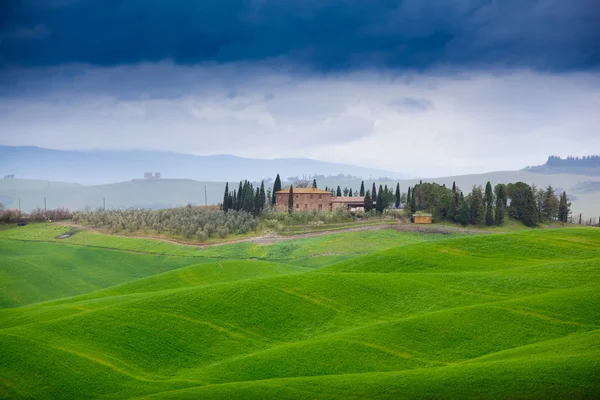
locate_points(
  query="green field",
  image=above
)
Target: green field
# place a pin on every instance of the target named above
(358, 315)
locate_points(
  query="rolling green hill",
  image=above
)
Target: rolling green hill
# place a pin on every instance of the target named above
(348, 315)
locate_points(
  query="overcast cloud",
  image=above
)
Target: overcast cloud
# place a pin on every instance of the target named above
(426, 88)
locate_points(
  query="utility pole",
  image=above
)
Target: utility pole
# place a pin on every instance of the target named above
(19, 204)
(205, 197)
(45, 207)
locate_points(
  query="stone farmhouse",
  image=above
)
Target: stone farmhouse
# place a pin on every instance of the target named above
(310, 199)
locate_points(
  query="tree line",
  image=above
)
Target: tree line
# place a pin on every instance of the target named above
(490, 206)
(580, 162)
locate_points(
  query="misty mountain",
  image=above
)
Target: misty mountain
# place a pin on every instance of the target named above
(100, 167)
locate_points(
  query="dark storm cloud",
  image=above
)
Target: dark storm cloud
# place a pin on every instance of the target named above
(324, 35)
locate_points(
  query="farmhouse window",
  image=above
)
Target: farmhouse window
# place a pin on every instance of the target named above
(306, 206)
(297, 205)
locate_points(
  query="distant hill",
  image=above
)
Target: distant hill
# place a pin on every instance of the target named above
(583, 191)
(588, 165)
(101, 167)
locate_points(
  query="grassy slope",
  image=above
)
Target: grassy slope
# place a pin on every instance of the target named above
(487, 316)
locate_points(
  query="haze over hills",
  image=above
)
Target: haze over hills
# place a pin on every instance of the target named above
(201, 180)
(102, 167)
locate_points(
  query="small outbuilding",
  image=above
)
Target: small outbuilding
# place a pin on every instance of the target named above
(348, 203)
(421, 218)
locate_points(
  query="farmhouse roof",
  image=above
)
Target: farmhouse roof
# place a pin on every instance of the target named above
(305, 190)
(348, 199)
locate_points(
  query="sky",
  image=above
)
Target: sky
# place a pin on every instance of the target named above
(422, 87)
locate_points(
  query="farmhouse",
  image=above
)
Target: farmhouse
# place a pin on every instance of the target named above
(304, 199)
(421, 218)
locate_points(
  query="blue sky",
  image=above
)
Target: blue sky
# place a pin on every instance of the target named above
(484, 85)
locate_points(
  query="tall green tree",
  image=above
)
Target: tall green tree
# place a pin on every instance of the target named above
(314, 185)
(374, 192)
(258, 203)
(350, 192)
(226, 198)
(500, 191)
(345, 192)
(530, 216)
(380, 204)
(408, 199)
(338, 193)
(362, 188)
(465, 213)
(276, 188)
(413, 202)
(477, 207)
(291, 200)
(263, 196)
(234, 201)
(239, 196)
(453, 187)
(489, 204)
(456, 203)
(550, 205)
(564, 208)
(397, 195)
(368, 202)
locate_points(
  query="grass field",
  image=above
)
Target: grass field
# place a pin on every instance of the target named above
(380, 314)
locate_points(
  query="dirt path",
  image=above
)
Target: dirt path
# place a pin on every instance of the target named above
(271, 238)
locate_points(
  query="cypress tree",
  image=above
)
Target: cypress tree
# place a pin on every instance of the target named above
(408, 198)
(291, 200)
(489, 205)
(226, 198)
(230, 201)
(326, 189)
(345, 191)
(263, 195)
(464, 213)
(239, 197)
(530, 213)
(276, 188)
(379, 206)
(453, 187)
(500, 190)
(368, 202)
(563, 208)
(455, 216)
(476, 206)
(398, 195)
(338, 193)
(234, 201)
(350, 193)
(362, 188)
(257, 202)
(314, 184)
(374, 192)
(413, 203)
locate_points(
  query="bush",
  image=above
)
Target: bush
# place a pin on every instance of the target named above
(202, 235)
(223, 232)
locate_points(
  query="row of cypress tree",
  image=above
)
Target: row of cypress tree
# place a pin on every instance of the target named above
(245, 198)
